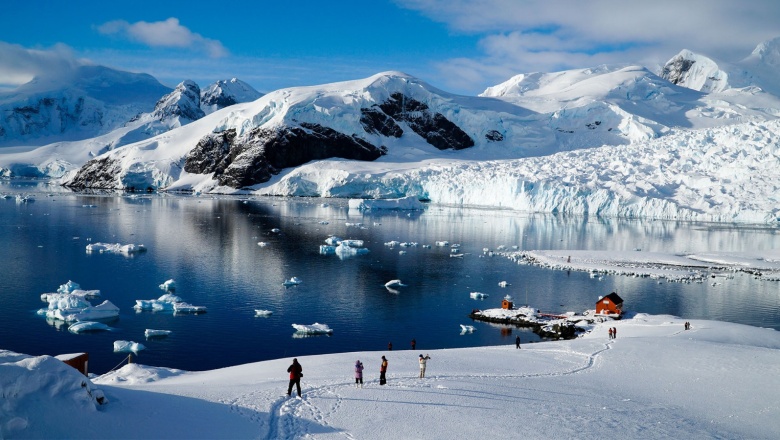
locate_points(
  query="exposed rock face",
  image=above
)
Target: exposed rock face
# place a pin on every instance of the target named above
(494, 136)
(97, 173)
(676, 68)
(244, 161)
(376, 122)
(182, 103)
(436, 129)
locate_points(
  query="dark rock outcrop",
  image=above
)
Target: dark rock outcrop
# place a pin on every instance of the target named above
(97, 173)
(675, 70)
(244, 161)
(434, 127)
(376, 122)
(494, 136)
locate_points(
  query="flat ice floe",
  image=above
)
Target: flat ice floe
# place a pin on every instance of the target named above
(128, 347)
(395, 283)
(151, 333)
(294, 281)
(262, 312)
(313, 329)
(88, 326)
(115, 248)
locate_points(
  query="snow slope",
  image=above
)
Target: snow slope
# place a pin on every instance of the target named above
(85, 102)
(655, 380)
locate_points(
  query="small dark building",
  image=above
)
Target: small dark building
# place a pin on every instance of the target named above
(611, 304)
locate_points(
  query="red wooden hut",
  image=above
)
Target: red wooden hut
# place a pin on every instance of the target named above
(611, 304)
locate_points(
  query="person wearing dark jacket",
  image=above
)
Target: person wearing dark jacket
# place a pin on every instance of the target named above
(358, 374)
(296, 372)
(383, 371)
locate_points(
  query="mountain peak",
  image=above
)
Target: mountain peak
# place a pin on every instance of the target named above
(768, 52)
(182, 104)
(225, 93)
(694, 71)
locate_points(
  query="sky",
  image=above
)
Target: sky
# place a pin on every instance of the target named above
(460, 46)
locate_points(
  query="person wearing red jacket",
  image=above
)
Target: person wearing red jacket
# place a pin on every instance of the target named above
(296, 372)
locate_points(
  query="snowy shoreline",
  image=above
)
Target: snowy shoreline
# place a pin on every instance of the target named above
(655, 380)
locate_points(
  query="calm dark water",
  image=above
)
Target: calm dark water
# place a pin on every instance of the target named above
(209, 246)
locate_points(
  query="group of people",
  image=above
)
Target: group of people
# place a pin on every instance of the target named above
(687, 325)
(296, 372)
(612, 332)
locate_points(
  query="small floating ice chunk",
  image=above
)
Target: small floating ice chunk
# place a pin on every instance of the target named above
(261, 312)
(324, 222)
(467, 329)
(442, 243)
(87, 326)
(294, 281)
(410, 203)
(126, 249)
(127, 347)
(150, 333)
(478, 295)
(183, 307)
(313, 329)
(168, 286)
(502, 284)
(395, 283)
(392, 243)
(262, 244)
(356, 225)
(352, 243)
(275, 230)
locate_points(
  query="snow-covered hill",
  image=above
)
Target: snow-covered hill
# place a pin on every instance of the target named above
(83, 103)
(179, 107)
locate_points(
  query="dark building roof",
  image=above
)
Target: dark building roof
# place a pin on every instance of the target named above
(614, 298)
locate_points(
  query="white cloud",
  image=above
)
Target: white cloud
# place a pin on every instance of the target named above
(522, 36)
(168, 33)
(19, 65)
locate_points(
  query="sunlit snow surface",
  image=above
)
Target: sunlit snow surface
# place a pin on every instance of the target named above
(655, 380)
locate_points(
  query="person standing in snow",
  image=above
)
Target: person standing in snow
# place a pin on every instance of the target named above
(296, 372)
(389, 346)
(359, 374)
(614, 332)
(383, 371)
(610, 332)
(423, 361)
(517, 342)
(414, 343)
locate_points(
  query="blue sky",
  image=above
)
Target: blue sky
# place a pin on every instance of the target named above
(457, 45)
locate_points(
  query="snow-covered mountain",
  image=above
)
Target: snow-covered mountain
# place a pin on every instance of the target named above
(225, 93)
(581, 141)
(83, 103)
(177, 108)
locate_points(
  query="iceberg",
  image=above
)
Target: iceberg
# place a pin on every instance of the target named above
(313, 329)
(478, 295)
(125, 249)
(127, 347)
(87, 326)
(104, 310)
(260, 312)
(168, 286)
(183, 307)
(149, 333)
(165, 302)
(294, 281)
(467, 329)
(395, 283)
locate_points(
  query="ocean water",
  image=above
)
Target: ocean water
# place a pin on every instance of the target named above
(208, 245)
